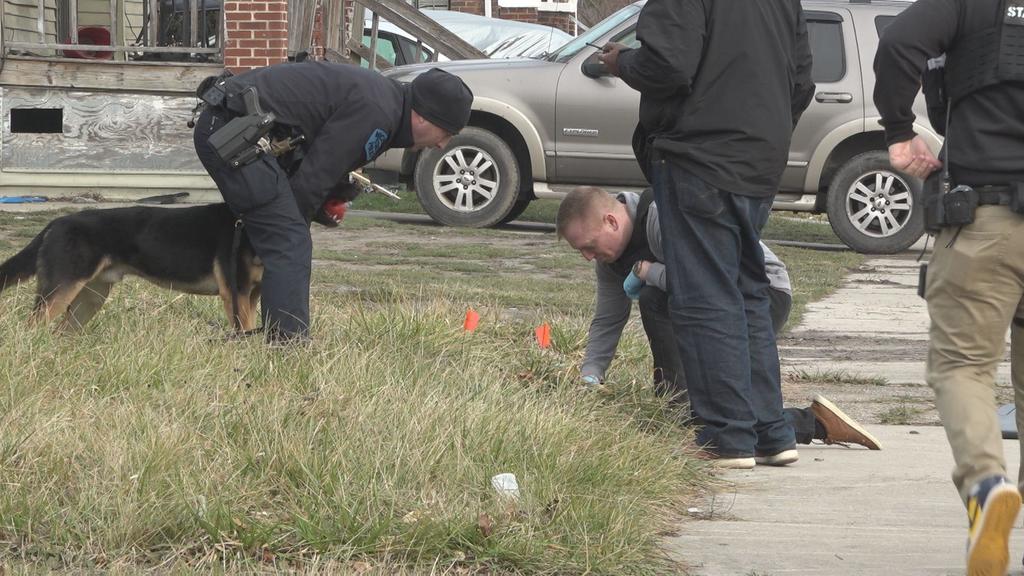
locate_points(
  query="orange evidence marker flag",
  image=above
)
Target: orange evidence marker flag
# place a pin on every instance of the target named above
(543, 334)
(472, 319)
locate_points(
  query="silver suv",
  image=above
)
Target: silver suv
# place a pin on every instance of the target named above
(542, 125)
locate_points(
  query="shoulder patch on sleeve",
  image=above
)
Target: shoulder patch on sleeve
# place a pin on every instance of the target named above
(375, 143)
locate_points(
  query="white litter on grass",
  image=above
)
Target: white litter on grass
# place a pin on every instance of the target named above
(506, 485)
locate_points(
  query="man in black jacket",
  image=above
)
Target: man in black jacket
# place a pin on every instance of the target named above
(975, 280)
(348, 116)
(722, 84)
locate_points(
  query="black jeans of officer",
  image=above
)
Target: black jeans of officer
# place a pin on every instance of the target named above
(669, 378)
(259, 194)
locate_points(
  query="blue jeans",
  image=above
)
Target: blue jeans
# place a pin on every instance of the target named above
(669, 376)
(719, 306)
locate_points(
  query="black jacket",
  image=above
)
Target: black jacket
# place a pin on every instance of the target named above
(986, 129)
(722, 84)
(349, 116)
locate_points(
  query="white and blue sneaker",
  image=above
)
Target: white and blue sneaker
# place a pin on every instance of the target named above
(992, 509)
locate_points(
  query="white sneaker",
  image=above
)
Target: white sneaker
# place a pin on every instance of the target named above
(734, 463)
(784, 458)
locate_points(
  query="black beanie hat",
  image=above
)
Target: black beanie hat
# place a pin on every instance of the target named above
(442, 99)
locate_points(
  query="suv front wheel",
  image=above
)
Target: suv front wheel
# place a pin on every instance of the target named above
(473, 182)
(873, 208)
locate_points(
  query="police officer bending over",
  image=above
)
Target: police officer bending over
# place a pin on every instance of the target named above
(976, 275)
(346, 116)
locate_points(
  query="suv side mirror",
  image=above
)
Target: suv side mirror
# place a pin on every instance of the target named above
(592, 68)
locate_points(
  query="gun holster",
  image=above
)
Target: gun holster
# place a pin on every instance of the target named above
(243, 139)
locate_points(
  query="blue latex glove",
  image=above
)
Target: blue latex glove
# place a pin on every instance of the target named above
(632, 285)
(591, 380)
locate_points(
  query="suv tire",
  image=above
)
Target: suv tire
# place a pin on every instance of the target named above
(473, 182)
(517, 211)
(873, 208)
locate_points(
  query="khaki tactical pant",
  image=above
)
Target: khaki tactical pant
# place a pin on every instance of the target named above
(974, 289)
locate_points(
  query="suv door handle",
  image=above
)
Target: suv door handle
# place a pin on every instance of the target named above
(835, 97)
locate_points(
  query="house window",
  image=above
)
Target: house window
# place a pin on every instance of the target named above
(175, 23)
(167, 30)
(430, 4)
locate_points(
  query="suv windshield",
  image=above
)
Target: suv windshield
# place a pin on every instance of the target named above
(594, 34)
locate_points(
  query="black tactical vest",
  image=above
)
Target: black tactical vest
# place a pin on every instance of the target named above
(988, 56)
(638, 248)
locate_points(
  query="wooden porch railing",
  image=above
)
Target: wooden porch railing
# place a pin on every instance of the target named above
(411, 20)
(117, 45)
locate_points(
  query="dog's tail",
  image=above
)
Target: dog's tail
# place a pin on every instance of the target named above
(22, 265)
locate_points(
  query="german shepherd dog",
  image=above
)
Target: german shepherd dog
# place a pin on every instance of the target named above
(78, 257)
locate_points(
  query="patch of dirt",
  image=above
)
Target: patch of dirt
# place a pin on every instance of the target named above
(340, 239)
(520, 248)
(818, 344)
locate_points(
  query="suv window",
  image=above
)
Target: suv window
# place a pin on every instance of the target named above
(578, 43)
(628, 38)
(386, 48)
(826, 40)
(882, 22)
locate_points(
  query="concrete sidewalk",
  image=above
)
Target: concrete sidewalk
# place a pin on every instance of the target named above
(842, 511)
(874, 325)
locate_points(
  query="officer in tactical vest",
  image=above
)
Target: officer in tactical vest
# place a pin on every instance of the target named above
(343, 116)
(975, 280)
(621, 233)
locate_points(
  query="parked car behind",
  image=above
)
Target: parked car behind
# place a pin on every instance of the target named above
(494, 37)
(561, 120)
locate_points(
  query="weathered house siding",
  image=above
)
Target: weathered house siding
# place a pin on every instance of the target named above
(122, 125)
(102, 132)
(21, 22)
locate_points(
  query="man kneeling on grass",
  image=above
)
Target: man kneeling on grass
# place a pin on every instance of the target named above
(621, 233)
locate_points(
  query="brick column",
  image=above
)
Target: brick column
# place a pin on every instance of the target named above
(467, 6)
(561, 20)
(518, 14)
(256, 34)
(537, 14)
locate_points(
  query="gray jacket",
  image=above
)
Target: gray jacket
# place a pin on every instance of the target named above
(613, 306)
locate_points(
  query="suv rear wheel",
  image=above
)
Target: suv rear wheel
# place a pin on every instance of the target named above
(873, 208)
(473, 182)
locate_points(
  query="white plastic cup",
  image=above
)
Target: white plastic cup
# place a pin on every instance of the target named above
(506, 485)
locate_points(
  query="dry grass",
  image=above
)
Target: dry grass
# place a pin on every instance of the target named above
(147, 443)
